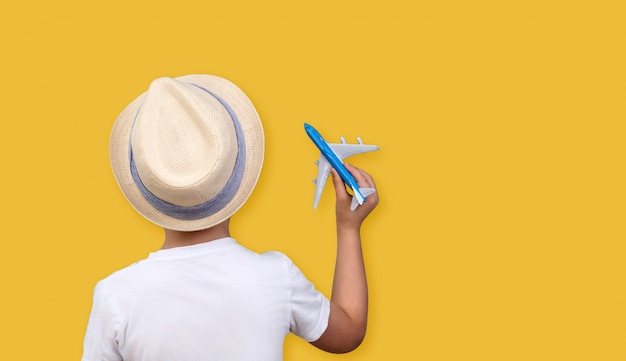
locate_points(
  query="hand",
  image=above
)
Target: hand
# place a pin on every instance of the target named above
(346, 217)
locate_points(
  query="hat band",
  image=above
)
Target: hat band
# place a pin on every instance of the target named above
(214, 204)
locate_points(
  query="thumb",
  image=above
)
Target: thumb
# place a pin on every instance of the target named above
(340, 188)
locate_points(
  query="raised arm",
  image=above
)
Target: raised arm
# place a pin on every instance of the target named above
(348, 303)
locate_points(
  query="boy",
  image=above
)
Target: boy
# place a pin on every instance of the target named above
(187, 154)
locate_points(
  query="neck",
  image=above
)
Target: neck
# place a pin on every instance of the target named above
(181, 239)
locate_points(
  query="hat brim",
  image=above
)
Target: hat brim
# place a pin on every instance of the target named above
(254, 141)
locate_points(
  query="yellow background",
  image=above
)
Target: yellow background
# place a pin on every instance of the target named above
(500, 234)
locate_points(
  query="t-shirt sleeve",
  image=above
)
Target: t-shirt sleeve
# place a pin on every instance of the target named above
(310, 309)
(100, 343)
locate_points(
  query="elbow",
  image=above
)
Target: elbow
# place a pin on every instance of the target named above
(343, 333)
(343, 342)
(351, 344)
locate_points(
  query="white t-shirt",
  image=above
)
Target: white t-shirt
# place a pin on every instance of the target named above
(211, 301)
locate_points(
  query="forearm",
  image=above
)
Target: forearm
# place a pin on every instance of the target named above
(350, 283)
(348, 304)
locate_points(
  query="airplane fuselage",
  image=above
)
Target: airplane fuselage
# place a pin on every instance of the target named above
(334, 161)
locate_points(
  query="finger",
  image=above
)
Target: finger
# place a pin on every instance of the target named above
(340, 188)
(361, 176)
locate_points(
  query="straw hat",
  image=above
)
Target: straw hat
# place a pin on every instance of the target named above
(188, 152)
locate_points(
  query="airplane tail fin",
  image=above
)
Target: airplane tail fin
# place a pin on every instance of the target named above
(359, 196)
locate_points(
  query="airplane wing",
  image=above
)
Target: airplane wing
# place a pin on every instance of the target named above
(323, 171)
(342, 150)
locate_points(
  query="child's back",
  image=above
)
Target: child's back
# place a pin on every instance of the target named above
(210, 301)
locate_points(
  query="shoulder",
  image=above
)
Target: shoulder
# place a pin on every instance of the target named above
(275, 256)
(120, 278)
(276, 261)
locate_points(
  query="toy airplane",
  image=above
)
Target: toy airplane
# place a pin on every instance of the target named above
(332, 156)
